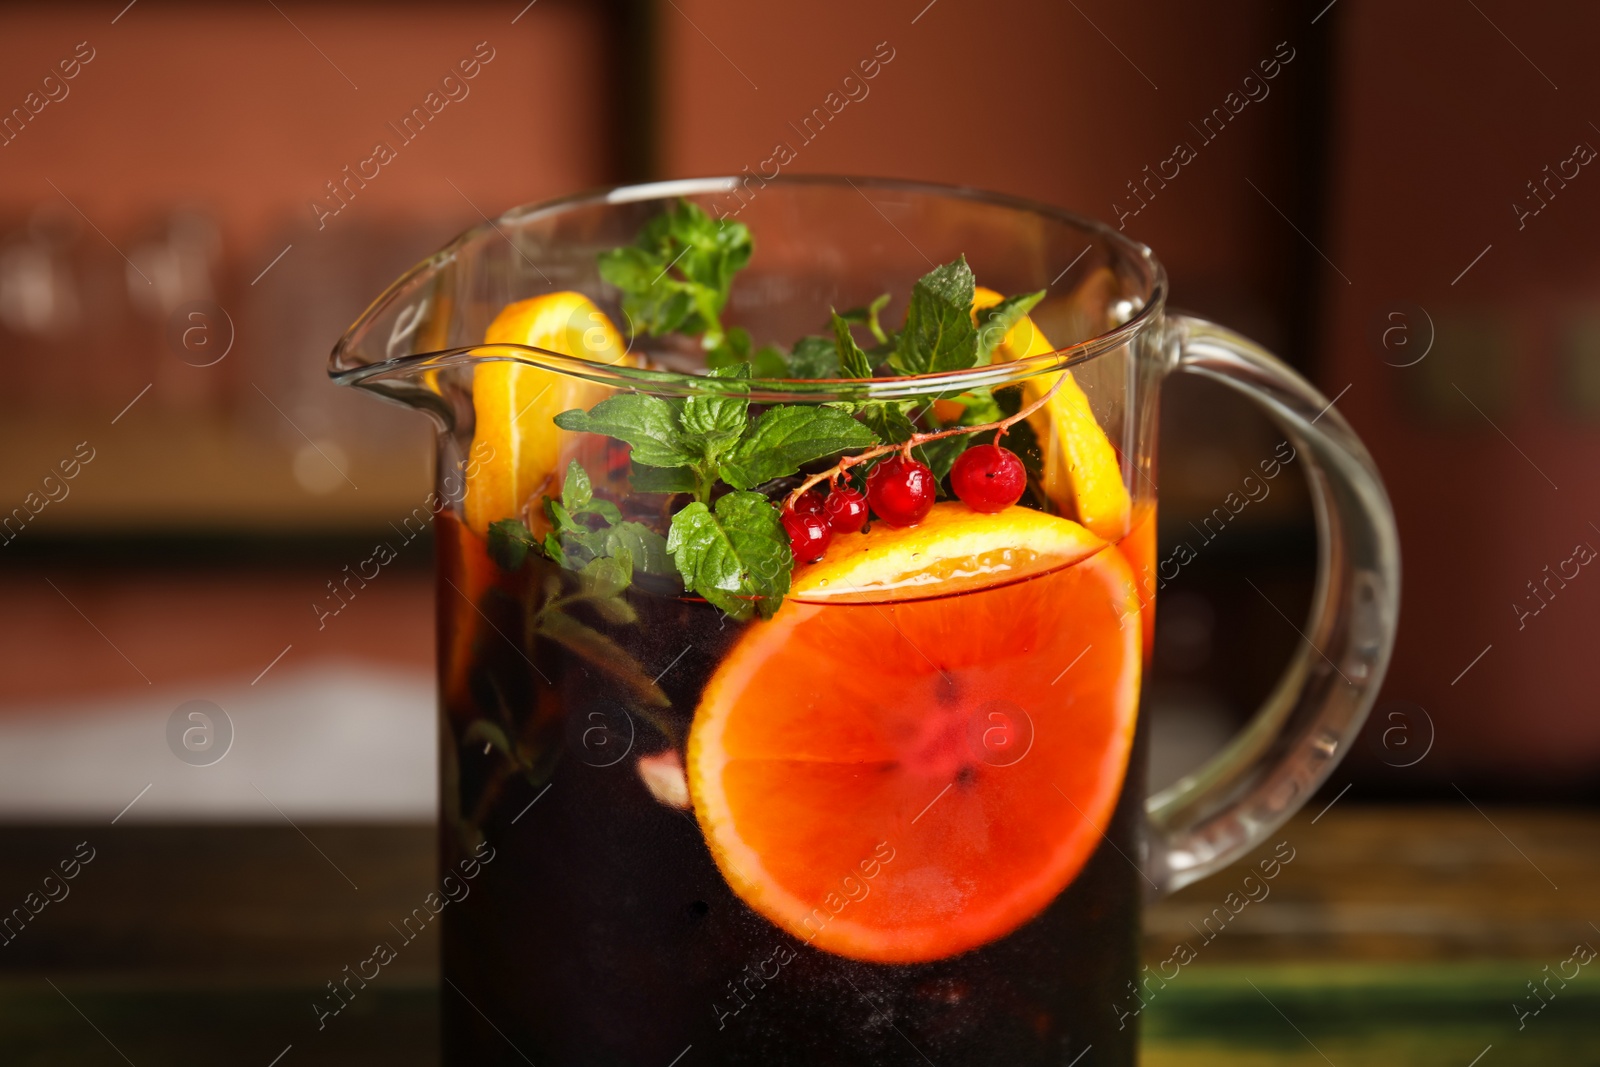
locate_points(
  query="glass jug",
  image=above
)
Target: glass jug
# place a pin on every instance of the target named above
(898, 813)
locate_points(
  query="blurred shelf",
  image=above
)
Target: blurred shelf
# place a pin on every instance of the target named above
(172, 473)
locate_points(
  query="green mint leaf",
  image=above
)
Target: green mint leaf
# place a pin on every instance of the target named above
(716, 251)
(576, 546)
(571, 542)
(576, 491)
(654, 302)
(509, 542)
(788, 436)
(868, 317)
(633, 270)
(939, 335)
(606, 576)
(852, 361)
(646, 479)
(648, 423)
(754, 526)
(874, 310)
(737, 557)
(888, 419)
(644, 547)
(675, 277)
(552, 548)
(768, 362)
(560, 518)
(718, 419)
(605, 509)
(995, 322)
(814, 357)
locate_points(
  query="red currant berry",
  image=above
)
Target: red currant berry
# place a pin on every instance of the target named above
(901, 491)
(808, 535)
(988, 478)
(810, 503)
(845, 509)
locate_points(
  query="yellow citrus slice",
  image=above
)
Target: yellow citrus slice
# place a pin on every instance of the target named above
(907, 779)
(517, 451)
(1080, 464)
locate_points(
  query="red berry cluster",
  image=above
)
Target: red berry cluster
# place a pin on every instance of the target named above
(815, 518)
(900, 491)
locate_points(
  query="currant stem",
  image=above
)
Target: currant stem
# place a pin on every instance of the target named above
(916, 439)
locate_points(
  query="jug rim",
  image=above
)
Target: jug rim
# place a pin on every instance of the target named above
(1152, 302)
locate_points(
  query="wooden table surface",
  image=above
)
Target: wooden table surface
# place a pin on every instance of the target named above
(1403, 936)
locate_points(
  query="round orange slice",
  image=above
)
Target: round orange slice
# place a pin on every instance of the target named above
(907, 775)
(1081, 465)
(517, 451)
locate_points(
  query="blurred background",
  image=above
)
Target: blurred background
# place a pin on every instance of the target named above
(1392, 197)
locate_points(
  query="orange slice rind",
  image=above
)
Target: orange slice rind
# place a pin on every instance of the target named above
(953, 549)
(517, 450)
(1081, 472)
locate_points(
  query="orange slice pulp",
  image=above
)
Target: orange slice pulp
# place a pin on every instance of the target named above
(518, 453)
(920, 767)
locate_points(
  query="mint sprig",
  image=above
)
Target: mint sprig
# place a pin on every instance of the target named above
(676, 275)
(735, 554)
(728, 543)
(691, 444)
(587, 535)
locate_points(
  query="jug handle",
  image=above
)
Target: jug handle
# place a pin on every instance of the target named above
(1228, 806)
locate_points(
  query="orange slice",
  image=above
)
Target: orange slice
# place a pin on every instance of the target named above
(517, 451)
(952, 550)
(903, 780)
(1080, 463)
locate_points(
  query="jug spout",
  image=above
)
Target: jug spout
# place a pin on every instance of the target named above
(398, 347)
